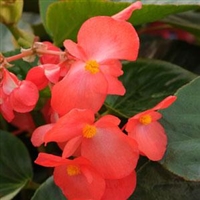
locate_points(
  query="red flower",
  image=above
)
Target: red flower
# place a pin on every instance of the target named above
(20, 96)
(102, 42)
(76, 178)
(102, 142)
(148, 132)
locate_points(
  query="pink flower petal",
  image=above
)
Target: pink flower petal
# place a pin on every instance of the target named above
(10, 81)
(78, 186)
(151, 140)
(165, 103)
(74, 50)
(37, 137)
(69, 126)
(37, 76)
(47, 58)
(127, 12)
(71, 146)
(108, 120)
(104, 38)
(52, 72)
(79, 89)
(119, 189)
(48, 160)
(110, 152)
(24, 98)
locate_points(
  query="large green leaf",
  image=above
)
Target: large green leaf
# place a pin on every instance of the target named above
(63, 19)
(182, 124)
(147, 82)
(156, 183)
(175, 2)
(15, 165)
(43, 6)
(48, 190)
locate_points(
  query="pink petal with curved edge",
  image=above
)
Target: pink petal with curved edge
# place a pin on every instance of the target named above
(10, 81)
(127, 12)
(115, 87)
(38, 134)
(71, 146)
(24, 98)
(5, 107)
(165, 103)
(79, 89)
(78, 186)
(69, 126)
(75, 50)
(52, 72)
(111, 67)
(120, 189)
(49, 160)
(37, 76)
(135, 119)
(112, 70)
(110, 152)
(47, 58)
(108, 120)
(104, 38)
(131, 124)
(151, 140)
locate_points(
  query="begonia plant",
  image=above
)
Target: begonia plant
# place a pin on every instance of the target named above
(97, 102)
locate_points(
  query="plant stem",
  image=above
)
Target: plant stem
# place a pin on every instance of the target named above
(32, 185)
(20, 56)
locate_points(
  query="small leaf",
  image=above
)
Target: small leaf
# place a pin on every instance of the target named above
(147, 82)
(48, 190)
(15, 165)
(182, 124)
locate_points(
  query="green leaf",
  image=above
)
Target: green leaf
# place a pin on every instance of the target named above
(63, 19)
(48, 190)
(43, 6)
(175, 2)
(147, 82)
(156, 183)
(182, 124)
(15, 165)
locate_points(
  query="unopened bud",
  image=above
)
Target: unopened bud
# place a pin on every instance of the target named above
(11, 11)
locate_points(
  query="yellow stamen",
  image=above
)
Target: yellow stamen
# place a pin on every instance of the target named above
(73, 170)
(92, 66)
(146, 119)
(89, 131)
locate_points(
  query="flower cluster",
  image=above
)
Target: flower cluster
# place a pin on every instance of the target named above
(98, 159)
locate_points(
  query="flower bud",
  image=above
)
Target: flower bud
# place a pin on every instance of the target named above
(11, 11)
